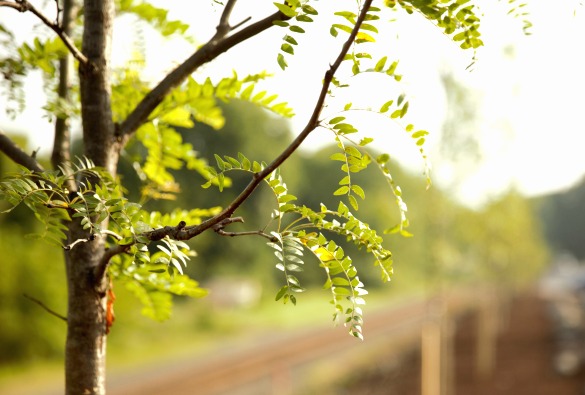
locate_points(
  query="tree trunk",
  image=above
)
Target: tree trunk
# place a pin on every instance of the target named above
(85, 352)
(100, 142)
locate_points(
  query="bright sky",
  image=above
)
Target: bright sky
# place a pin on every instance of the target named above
(530, 88)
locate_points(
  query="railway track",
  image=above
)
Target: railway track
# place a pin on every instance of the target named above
(282, 364)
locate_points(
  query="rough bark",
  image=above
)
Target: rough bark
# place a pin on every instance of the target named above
(85, 355)
(61, 155)
(85, 352)
(101, 145)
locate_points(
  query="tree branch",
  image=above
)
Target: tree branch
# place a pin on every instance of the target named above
(44, 306)
(68, 247)
(14, 152)
(223, 28)
(61, 155)
(24, 5)
(11, 4)
(154, 235)
(111, 252)
(218, 222)
(218, 228)
(218, 44)
(192, 231)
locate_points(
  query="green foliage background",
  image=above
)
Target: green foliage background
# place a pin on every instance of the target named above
(192, 128)
(499, 244)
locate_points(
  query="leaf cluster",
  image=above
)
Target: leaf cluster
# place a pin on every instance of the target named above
(297, 228)
(189, 103)
(458, 19)
(299, 12)
(155, 16)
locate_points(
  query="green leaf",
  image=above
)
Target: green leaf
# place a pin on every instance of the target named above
(290, 39)
(365, 141)
(341, 191)
(336, 120)
(369, 27)
(281, 293)
(383, 158)
(404, 110)
(246, 93)
(344, 28)
(350, 150)
(339, 157)
(220, 163)
(296, 29)
(341, 291)
(281, 62)
(287, 48)
(340, 281)
(353, 202)
(281, 23)
(286, 10)
(420, 133)
(380, 64)
(245, 161)
(400, 99)
(358, 191)
(386, 106)
(307, 9)
(304, 18)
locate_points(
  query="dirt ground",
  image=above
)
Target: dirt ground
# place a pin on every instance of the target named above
(524, 356)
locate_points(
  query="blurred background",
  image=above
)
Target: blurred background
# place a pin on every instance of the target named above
(487, 295)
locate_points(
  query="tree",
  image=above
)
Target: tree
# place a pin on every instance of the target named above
(108, 238)
(563, 217)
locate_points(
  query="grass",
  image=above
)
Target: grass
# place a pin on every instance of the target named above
(196, 328)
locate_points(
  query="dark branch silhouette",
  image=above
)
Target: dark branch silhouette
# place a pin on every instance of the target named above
(15, 153)
(44, 306)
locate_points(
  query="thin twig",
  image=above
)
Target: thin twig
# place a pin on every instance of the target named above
(247, 233)
(222, 224)
(68, 247)
(223, 27)
(91, 237)
(237, 25)
(59, 9)
(218, 228)
(24, 5)
(110, 233)
(44, 306)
